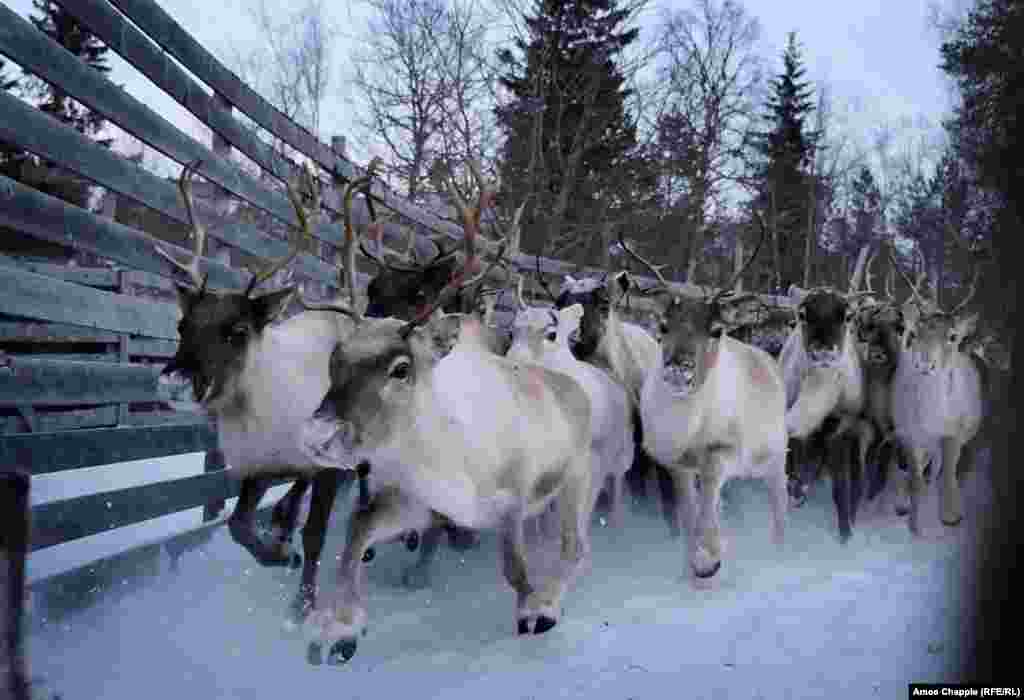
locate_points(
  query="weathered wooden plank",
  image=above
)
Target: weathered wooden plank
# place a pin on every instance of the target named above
(184, 540)
(53, 421)
(101, 277)
(62, 383)
(74, 518)
(36, 332)
(41, 216)
(151, 347)
(33, 296)
(37, 53)
(46, 453)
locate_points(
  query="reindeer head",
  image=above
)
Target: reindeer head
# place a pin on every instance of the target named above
(596, 297)
(690, 326)
(378, 372)
(218, 328)
(879, 329)
(931, 337)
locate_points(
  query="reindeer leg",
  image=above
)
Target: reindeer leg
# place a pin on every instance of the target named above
(667, 491)
(615, 493)
(840, 462)
(780, 499)
(513, 566)
(284, 518)
(878, 471)
(951, 513)
(417, 576)
(918, 460)
(706, 559)
(326, 485)
(856, 478)
(339, 624)
(242, 524)
(574, 501)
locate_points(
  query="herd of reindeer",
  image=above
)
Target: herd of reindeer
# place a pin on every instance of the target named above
(450, 424)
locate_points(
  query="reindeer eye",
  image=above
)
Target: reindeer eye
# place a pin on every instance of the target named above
(952, 337)
(400, 368)
(551, 335)
(663, 326)
(237, 333)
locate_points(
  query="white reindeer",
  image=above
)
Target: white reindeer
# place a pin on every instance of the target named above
(937, 402)
(724, 419)
(480, 439)
(628, 353)
(541, 335)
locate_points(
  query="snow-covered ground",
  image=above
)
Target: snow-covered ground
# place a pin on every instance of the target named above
(813, 619)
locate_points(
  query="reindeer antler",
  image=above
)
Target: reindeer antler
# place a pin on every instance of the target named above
(913, 287)
(305, 178)
(192, 268)
(655, 269)
(757, 249)
(970, 291)
(544, 284)
(471, 229)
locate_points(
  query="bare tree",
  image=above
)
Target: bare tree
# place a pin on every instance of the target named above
(711, 74)
(423, 82)
(293, 68)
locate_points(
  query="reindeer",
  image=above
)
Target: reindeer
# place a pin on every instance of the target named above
(825, 392)
(542, 336)
(937, 397)
(402, 290)
(261, 381)
(720, 418)
(628, 353)
(483, 453)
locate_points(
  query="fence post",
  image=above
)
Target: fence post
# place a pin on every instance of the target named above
(14, 502)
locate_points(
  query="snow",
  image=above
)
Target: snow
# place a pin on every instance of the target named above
(809, 619)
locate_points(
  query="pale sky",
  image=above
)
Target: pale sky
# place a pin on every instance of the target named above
(881, 58)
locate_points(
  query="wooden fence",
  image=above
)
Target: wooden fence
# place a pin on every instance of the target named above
(81, 348)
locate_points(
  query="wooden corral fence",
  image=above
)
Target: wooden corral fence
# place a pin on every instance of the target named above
(81, 347)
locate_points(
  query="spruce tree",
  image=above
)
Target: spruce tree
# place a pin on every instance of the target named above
(58, 24)
(569, 142)
(8, 153)
(786, 152)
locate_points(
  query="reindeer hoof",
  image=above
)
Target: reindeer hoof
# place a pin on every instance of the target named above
(368, 555)
(296, 561)
(313, 656)
(524, 626)
(902, 511)
(952, 523)
(707, 573)
(342, 651)
(844, 537)
(412, 541)
(544, 623)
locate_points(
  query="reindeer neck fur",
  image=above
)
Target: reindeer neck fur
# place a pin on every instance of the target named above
(285, 373)
(815, 393)
(947, 403)
(734, 382)
(629, 353)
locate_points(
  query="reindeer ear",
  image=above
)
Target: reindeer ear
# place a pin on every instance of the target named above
(267, 307)
(796, 293)
(624, 281)
(186, 297)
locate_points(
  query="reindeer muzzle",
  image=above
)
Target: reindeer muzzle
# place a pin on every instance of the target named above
(680, 376)
(820, 358)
